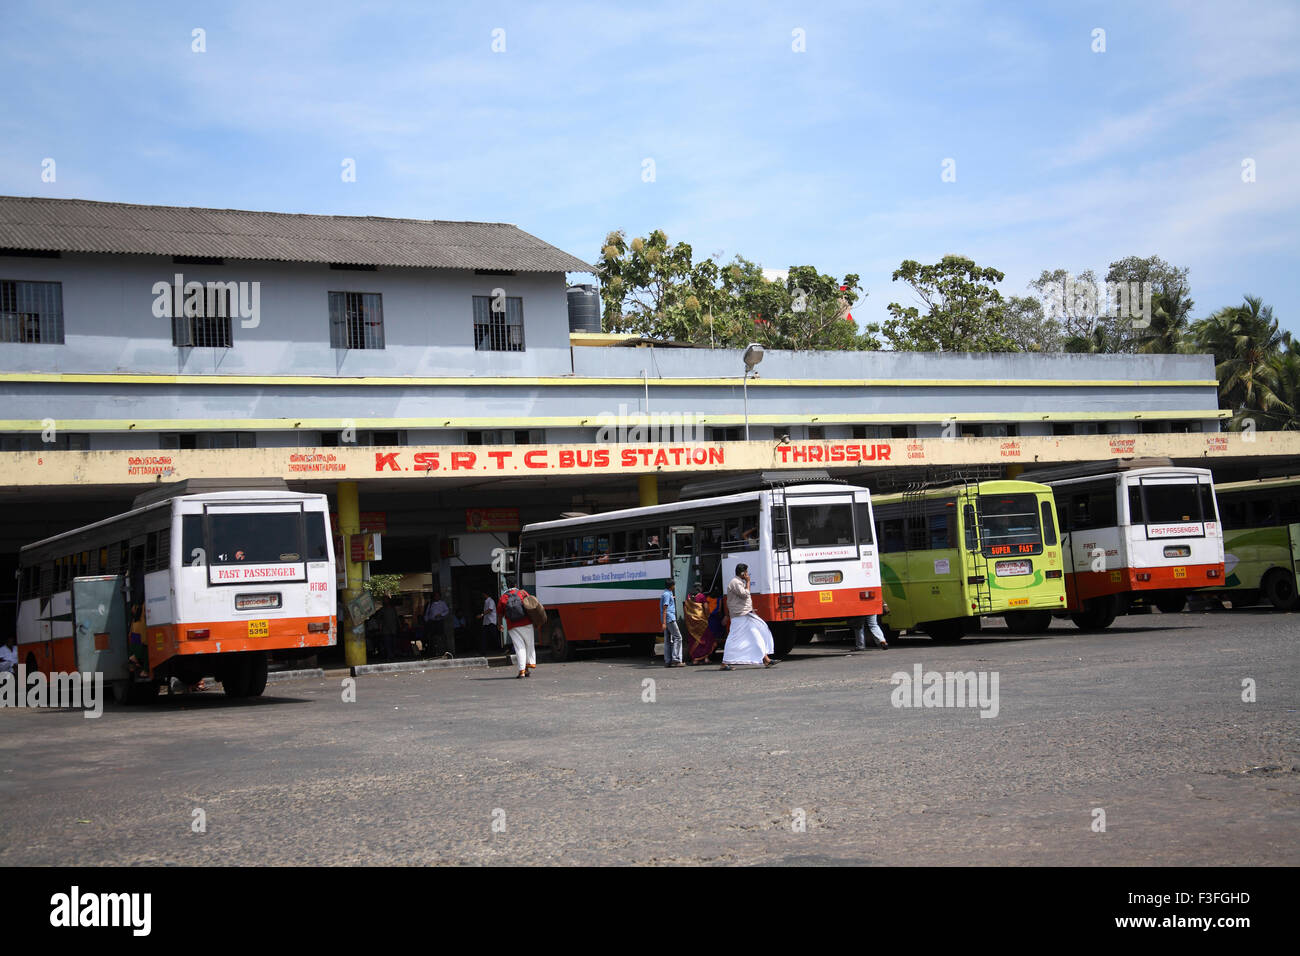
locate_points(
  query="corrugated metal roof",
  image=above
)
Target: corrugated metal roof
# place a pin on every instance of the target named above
(80, 225)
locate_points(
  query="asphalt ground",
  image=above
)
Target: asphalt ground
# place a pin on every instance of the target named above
(808, 762)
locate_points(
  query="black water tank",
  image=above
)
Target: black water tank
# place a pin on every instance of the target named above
(584, 308)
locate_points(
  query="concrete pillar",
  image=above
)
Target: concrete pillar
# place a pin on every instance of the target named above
(1014, 469)
(354, 638)
(647, 487)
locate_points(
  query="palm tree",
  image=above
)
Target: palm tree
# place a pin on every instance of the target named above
(1167, 333)
(1246, 342)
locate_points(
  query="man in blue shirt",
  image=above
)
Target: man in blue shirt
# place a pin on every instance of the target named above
(668, 621)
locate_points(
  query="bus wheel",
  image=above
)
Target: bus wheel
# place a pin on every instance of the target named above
(1280, 589)
(561, 650)
(1171, 603)
(1097, 614)
(123, 691)
(255, 668)
(783, 638)
(1028, 622)
(945, 632)
(236, 676)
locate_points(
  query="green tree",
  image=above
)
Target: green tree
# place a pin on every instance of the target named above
(962, 309)
(1247, 344)
(1025, 322)
(1170, 304)
(652, 287)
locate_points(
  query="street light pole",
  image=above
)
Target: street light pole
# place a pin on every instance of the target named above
(753, 355)
(745, 389)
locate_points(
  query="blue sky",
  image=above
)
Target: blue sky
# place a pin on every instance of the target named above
(1065, 157)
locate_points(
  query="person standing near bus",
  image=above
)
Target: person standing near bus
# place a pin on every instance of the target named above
(869, 623)
(749, 640)
(519, 628)
(489, 630)
(137, 648)
(668, 624)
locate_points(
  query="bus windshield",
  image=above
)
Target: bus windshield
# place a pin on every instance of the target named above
(1009, 524)
(1171, 503)
(274, 538)
(821, 526)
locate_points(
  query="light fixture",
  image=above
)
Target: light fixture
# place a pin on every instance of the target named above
(753, 355)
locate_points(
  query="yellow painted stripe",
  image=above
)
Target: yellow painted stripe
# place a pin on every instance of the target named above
(574, 421)
(581, 381)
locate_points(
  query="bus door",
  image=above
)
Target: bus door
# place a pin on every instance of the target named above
(100, 626)
(681, 558)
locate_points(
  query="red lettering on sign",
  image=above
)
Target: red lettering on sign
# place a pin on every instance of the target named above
(535, 459)
(427, 460)
(501, 457)
(388, 460)
(462, 459)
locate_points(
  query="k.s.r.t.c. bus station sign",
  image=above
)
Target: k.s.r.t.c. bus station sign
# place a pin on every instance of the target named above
(431, 463)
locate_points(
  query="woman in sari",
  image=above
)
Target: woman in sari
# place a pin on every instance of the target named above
(703, 629)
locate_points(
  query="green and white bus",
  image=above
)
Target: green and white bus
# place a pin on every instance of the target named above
(951, 555)
(1261, 542)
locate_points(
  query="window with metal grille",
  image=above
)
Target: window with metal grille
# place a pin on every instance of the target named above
(31, 312)
(209, 328)
(356, 320)
(501, 331)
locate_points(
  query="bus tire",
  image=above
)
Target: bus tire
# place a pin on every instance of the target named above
(256, 670)
(236, 676)
(1028, 622)
(945, 632)
(783, 638)
(1171, 603)
(1097, 614)
(561, 649)
(1280, 589)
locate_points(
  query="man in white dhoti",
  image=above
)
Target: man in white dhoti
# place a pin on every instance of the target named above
(749, 641)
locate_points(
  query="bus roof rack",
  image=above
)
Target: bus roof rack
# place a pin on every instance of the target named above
(199, 486)
(1086, 469)
(754, 481)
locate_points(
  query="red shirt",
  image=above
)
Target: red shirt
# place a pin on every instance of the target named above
(513, 621)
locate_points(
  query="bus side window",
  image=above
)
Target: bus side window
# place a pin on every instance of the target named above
(862, 520)
(968, 519)
(891, 535)
(1261, 512)
(317, 548)
(940, 533)
(1135, 513)
(1049, 526)
(618, 546)
(916, 533)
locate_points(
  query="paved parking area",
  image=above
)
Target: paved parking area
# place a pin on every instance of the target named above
(808, 762)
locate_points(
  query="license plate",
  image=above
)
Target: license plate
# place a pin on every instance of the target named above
(826, 596)
(1004, 569)
(259, 628)
(1019, 602)
(1180, 572)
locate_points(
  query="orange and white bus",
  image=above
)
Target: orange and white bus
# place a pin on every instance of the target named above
(222, 578)
(1145, 535)
(810, 548)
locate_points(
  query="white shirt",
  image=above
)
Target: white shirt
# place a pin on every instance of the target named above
(436, 611)
(8, 658)
(489, 611)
